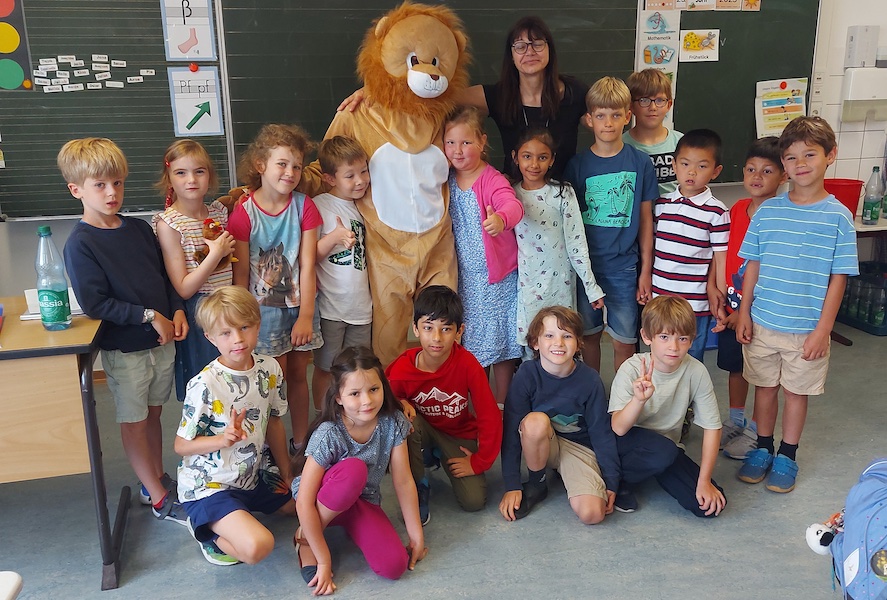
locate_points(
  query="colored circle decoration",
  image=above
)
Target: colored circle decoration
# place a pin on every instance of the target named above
(9, 39)
(6, 7)
(11, 74)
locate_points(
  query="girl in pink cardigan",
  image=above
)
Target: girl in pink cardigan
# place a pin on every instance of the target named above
(484, 210)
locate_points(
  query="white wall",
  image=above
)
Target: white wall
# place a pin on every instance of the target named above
(860, 144)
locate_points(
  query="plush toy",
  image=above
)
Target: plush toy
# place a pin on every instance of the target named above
(820, 535)
(211, 230)
(412, 62)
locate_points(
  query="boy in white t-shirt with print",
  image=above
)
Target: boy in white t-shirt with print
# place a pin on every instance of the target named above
(343, 289)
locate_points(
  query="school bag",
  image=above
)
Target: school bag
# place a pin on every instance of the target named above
(860, 551)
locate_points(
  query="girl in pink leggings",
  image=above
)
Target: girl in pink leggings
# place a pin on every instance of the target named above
(358, 435)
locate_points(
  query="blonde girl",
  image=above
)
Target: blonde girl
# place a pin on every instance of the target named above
(195, 265)
(275, 229)
(484, 210)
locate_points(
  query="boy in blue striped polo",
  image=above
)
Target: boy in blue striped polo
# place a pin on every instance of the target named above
(692, 229)
(800, 248)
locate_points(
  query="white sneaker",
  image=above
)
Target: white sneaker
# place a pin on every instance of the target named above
(738, 447)
(729, 430)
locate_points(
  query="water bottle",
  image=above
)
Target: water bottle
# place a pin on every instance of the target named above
(52, 287)
(877, 315)
(874, 194)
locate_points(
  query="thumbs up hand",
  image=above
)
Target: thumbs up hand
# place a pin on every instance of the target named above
(493, 224)
(343, 234)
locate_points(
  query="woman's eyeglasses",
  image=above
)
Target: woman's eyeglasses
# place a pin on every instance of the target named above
(645, 102)
(521, 47)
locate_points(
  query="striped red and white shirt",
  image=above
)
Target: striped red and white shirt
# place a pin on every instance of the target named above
(688, 231)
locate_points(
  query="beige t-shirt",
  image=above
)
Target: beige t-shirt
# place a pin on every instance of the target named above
(689, 385)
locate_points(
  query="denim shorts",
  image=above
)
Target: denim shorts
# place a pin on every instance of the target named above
(205, 511)
(276, 328)
(620, 303)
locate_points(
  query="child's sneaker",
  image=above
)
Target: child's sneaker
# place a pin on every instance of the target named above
(626, 501)
(424, 491)
(171, 510)
(729, 431)
(533, 494)
(756, 466)
(685, 427)
(783, 475)
(215, 556)
(168, 482)
(739, 447)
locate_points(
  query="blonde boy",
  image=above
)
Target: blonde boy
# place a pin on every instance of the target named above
(221, 476)
(615, 186)
(653, 391)
(791, 298)
(650, 102)
(343, 289)
(117, 273)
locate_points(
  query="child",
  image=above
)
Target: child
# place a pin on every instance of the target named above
(435, 383)
(762, 176)
(615, 185)
(484, 212)
(786, 321)
(556, 415)
(356, 438)
(692, 229)
(551, 246)
(232, 408)
(650, 102)
(653, 391)
(343, 290)
(188, 175)
(276, 232)
(116, 270)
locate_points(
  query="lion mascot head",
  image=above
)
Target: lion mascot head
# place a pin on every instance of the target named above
(414, 60)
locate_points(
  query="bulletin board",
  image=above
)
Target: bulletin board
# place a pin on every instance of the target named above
(776, 42)
(138, 115)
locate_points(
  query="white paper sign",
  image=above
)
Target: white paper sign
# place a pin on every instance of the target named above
(94, 85)
(146, 72)
(188, 30)
(114, 84)
(99, 58)
(118, 63)
(101, 67)
(51, 89)
(700, 45)
(81, 72)
(196, 101)
(135, 79)
(73, 87)
(101, 76)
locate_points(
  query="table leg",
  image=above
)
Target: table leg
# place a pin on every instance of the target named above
(109, 540)
(844, 341)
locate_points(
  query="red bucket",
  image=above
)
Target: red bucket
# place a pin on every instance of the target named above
(847, 191)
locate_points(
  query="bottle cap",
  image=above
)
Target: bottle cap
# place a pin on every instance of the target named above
(44, 230)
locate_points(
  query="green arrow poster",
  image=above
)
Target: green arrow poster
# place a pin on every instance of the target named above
(196, 101)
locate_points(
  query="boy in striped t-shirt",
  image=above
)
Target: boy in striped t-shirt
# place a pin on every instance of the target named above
(692, 228)
(800, 247)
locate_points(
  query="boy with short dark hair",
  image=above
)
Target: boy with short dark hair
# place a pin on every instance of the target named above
(343, 289)
(791, 298)
(615, 185)
(435, 383)
(762, 175)
(654, 391)
(650, 102)
(692, 228)
(232, 408)
(116, 270)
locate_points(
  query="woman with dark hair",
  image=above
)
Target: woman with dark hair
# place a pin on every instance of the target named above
(530, 93)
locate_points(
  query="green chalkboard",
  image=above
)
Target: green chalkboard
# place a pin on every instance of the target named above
(776, 42)
(295, 61)
(34, 125)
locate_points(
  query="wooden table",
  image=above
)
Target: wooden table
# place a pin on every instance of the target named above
(39, 371)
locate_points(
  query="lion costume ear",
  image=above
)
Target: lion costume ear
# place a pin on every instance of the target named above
(382, 27)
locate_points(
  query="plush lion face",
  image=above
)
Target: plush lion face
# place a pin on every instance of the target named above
(413, 60)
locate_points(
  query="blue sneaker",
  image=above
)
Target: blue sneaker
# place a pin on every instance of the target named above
(782, 477)
(755, 466)
(424, 491)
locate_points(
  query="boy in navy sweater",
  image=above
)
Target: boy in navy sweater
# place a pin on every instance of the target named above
(117, 273)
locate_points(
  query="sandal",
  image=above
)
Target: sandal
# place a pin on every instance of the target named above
(310, 571)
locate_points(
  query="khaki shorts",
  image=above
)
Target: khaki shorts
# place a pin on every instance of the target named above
(140, 379)
(577, 466)
(774, 358)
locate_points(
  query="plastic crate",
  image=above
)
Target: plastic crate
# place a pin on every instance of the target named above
(864, 305)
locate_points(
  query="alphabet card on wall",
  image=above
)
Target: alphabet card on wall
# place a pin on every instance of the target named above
(188, 30)
(196, 101)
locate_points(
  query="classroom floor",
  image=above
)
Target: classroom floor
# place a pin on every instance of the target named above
(755, 549)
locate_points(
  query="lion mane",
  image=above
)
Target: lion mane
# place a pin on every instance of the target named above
(391, 91)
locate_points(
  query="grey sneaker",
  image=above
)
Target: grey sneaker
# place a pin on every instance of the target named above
(168, 482)
(424, 491)
(171, 510)
(729, 430)
(739, 447)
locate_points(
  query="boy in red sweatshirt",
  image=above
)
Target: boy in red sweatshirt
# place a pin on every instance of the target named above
(435, 383)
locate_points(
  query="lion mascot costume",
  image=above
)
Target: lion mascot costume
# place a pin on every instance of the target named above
(412, 62)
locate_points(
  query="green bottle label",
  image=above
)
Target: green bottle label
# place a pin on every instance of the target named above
(54, 306)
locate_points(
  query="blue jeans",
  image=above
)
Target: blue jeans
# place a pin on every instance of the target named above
(697, 348)
(621, 288)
